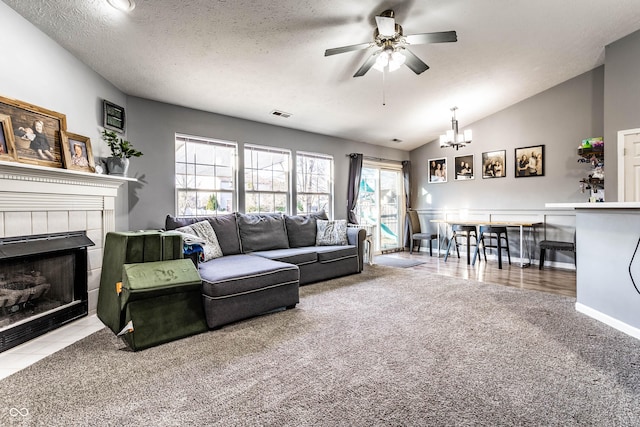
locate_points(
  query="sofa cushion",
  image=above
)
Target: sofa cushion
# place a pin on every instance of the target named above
(261, 232)
(204, 230)
(335, 253)
(224, 226)
(331, 232)
(241, 274)
(297, 256)
(302, 229)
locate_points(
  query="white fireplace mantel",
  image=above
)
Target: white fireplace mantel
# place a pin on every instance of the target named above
(25, 178)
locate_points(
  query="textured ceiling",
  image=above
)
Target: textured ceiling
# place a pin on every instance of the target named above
(245, 58)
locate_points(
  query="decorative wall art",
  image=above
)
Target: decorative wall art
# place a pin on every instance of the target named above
(113, 116)
(7, 146)
(77, 153)
(464, 167)
(529, 161)
(438, 170)
(36, 132)
(494, 164)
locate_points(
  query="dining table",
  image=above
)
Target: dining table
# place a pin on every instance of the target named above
(521, 225)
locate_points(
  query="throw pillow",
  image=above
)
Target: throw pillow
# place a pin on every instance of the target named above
(262, 232)
(302, 229)
(204, 230)
(331, 232)
(224, 225)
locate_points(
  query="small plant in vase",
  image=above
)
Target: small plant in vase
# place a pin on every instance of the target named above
(121, 151)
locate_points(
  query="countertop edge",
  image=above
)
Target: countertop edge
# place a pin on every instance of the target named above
(600, 205)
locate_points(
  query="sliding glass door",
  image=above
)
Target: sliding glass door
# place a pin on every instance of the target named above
(380, 205)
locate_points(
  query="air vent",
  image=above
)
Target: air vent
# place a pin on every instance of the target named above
(282, 114)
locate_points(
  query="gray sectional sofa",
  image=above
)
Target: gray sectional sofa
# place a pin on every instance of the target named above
(265, 259)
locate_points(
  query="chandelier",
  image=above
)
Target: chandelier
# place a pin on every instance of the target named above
(453, 138)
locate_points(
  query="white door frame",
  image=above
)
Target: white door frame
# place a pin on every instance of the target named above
(621, 136)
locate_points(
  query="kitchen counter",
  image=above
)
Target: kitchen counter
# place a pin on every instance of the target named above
(599, 205)
(608, 262)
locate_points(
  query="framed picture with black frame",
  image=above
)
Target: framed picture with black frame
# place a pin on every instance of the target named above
(494, 164)
(113, 116)
(529, 161)
(464, 167)
(437, 170)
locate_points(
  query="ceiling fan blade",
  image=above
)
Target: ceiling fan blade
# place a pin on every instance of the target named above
(386, 26)
(414, 63)
(441, 37)
(337, 50)
(367, 65)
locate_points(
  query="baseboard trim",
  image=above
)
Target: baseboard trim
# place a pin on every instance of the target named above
(608, 320)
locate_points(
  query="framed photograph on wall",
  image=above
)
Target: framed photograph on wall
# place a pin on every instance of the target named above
(77, 153)
(464, 167)
(494, 164)
(7, 146)
(36, 132)
(529, 161)
(438, 170)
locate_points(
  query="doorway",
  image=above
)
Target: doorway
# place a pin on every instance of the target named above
(381, 205)
(629, 165)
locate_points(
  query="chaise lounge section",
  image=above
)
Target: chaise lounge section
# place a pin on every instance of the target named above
(265, 257)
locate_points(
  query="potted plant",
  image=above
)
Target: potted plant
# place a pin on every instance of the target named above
(121, 151)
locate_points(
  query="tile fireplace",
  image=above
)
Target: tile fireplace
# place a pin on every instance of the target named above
(69, 212)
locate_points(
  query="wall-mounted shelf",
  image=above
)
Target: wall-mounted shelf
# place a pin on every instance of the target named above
(588, 153)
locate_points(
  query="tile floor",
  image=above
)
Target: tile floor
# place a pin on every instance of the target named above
(17, 358)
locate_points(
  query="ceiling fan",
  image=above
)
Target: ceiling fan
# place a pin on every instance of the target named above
(392, 44)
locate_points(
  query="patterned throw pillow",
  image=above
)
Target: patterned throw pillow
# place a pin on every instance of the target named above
(331, 233)
(204, 230)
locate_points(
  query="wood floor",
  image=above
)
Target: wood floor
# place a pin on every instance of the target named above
(553, 280)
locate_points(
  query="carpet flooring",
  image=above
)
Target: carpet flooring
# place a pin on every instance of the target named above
(385, 347)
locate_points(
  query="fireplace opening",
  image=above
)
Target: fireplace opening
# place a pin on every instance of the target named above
(43, 284)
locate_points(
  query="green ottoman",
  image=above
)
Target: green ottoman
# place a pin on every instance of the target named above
(160, 302)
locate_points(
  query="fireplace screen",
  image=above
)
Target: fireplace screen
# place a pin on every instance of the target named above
(43, 284)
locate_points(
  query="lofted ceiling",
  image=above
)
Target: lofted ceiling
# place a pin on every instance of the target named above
(246, 58)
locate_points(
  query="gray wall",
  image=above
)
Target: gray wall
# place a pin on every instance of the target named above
(152, 127)
(621, 101)
(559, 118)
(37, 70)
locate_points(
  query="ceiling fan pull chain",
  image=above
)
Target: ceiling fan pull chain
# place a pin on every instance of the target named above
(384, 101)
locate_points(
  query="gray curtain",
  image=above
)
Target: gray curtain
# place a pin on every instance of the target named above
(355, 171)
(406, 176)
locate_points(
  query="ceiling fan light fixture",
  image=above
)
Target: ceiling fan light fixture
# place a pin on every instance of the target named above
(123, 5)
(382, 61)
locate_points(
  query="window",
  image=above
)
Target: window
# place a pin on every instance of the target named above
(205, 176)
(266, 179)
(314, 183)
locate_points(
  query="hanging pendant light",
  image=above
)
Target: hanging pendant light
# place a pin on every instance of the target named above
(453, 138)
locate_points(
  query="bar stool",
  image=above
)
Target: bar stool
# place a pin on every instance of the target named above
(555, 245)
(499, 233)
(466, 231)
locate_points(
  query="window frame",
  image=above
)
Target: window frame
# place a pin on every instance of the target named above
(233, 191)
(248, 192)
(330, 178)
